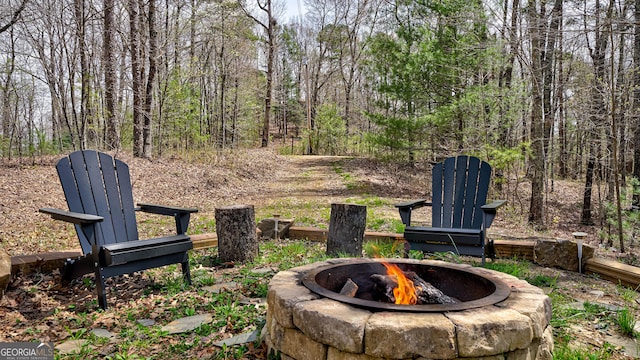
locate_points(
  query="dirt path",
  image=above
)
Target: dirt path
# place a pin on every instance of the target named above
(306, 177)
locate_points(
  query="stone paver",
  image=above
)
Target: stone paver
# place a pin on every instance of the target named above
(240, 339)
(71, 346)
(218, 288)
(282, 298)
(146, 322)
(335, 324)
(187, 324)
(491, 330)
(103, 333)
(404, 335)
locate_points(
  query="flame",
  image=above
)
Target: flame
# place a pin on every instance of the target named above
(405, 292)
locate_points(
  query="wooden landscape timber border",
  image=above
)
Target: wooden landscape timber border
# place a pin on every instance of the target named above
(610, 270)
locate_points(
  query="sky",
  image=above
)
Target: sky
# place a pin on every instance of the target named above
(293, 9)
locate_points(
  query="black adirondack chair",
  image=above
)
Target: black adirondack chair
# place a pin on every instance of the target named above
(460, 215)
(97, 188)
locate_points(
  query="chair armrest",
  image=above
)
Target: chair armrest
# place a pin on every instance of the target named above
(489, 212)
(493, 206)
(165, 210)
(72, 217)
(413, 204)
(181, 215)
(406, 207)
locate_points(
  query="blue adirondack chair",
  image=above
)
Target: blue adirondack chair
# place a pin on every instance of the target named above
(460, 215)
(97, 188)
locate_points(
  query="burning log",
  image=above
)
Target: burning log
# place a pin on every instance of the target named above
(384, 285)
(349, 289)
(425, 292)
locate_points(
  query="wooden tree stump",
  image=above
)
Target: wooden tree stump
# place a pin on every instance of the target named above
(346, 229)
(236, 229)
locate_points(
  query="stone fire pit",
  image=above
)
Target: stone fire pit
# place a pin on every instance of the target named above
(301, 324)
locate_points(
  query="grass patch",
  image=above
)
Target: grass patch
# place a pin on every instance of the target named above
(383, 249)
(626, 321)
(347, 178)
(519, 269)
(541, 280)
(562, 351)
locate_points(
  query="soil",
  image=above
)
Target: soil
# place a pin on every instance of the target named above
(263, 178)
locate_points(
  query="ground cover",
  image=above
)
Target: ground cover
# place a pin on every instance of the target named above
(589, 314)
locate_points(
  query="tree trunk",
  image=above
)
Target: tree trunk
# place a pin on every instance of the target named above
(506, 74)
(111, 123)
(6, 118)
(271, 47)
(598, 111)
(136, 78)
(548, 59)
(562, 123)
(346, 229)
(148, 103)
(585, 217)
(636, 104)
(537, 124)
(236, 230)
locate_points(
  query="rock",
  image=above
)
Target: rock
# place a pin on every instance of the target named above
(218, 288)
(146, 322)
(103, 333)
(72, 346)
(5, 271)
(187, 324)
(485, 331)
(561, 254)
(402, 335)
(332, 323)
(267, 227)
(240, 339)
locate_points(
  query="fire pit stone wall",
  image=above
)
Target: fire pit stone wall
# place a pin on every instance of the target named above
(302, 325)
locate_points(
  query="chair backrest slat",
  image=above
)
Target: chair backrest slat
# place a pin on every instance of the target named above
(112, 191)
(437, 200)
(459, 210)
(484, 180)
(126, 198)
(460, 186)
(471, 208)
(99, 195)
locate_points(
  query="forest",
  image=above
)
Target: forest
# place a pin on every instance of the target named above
(541, 89)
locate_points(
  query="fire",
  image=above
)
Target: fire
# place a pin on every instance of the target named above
(405, 292)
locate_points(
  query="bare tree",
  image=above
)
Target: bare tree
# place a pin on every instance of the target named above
(15, 15)
(108, 61)
(136, 77)
(149, 90)
(270, 28)
(536, 23)
(597, 119)
(636, 102)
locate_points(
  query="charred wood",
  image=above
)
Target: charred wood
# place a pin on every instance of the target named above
(349, 289)
(426, 293)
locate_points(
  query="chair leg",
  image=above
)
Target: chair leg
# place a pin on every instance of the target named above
(492, 250)
(405, 249)
(100, 287)
(186, 272)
